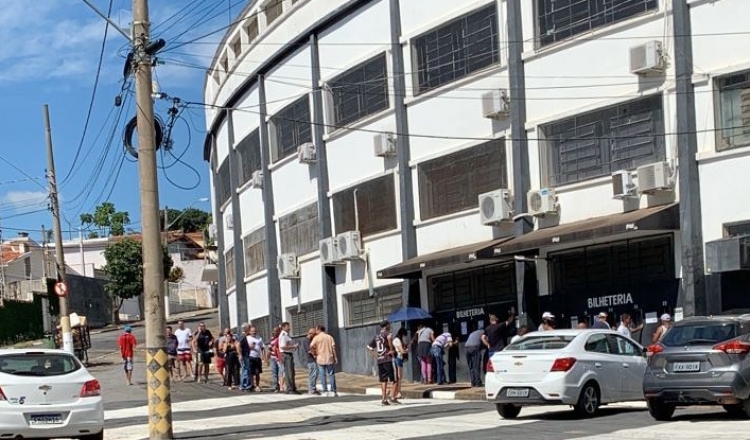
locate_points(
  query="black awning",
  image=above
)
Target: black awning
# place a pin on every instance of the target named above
(464, 254)
(658, 218)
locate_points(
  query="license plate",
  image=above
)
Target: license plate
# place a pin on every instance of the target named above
(46, 419)
(686, 367)
(517, 392)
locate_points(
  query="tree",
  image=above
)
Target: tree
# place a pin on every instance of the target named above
(108, 219)
(176, 274)
(188, 220)
(125, 270)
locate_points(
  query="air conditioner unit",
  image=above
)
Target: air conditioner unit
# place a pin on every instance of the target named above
(229, 220)
(495, 104)
(385, 144)
(622, 185)
(654, 177)
(495, 207)
(349, 245)
(647, 58)
(212, 231)
(256, 180)
(542, 201)
(287, 266)
(329, 254)
(306, 153)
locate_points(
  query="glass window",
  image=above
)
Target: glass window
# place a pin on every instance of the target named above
(255, 251)
(250, 158)
(597, 343)
(360, 92)
(252, 28)
(734, 111)
(229, 267)
(291, 128)
(456, 49)
(273, 9)
(376, 202)
(223, 184)
(363, 309)
(561, 19)
(305, 317)
(299, 232)
(38, 364)
(625, 347)
(699, 333)
(541, 342)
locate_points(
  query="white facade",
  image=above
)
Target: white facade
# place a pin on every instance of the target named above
(580, 74)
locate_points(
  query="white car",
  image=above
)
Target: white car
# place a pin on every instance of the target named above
(48, 393)
(580, 368)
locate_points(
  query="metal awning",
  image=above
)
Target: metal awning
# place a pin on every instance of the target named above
(658, 218)
(464, 254)
(210, 273)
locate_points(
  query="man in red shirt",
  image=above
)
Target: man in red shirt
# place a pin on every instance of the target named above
(127, 345)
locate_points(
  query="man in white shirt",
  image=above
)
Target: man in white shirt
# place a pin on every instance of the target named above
(287, 348)
(184, 356)
(626, 325)
(257, 353)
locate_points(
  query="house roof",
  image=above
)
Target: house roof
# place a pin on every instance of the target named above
(7, 254)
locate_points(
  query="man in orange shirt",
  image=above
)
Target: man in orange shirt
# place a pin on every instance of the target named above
(127, 345)
(324, 349)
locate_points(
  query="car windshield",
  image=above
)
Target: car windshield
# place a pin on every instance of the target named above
(38, 364)
(541, 342)
(700, 333)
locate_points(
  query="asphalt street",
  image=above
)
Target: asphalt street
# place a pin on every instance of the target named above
(203, 411)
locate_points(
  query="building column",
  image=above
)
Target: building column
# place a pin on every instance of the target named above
(692, 294)
(272, 251)
(239, 250)
(519, 143)
(223, 300)
(330, 303)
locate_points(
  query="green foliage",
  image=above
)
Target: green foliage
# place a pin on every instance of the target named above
(108, 219)
(188, 220)
(21, 321)
(125, 268)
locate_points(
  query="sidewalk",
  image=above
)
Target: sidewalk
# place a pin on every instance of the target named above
(369, 385)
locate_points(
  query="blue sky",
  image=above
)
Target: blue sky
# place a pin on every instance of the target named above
(50, 56)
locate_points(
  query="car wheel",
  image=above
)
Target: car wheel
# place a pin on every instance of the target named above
(99, 436)
(589, 400)
(508, 410)
(737, 410)
(660, 411)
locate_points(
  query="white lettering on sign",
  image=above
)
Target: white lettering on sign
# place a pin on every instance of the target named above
(555, 239)
(470, 313)
(620, 299)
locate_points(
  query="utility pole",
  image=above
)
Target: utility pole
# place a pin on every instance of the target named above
(67, 336)
(157, 374)
(80, 250)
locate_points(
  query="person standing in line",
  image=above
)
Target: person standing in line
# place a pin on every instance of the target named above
(519, 334)
(401, 352)
(473, 351)
(601, 322)
(627, 327)
(381, 348)
(441, 343)
(172, 344)
(244, 358)
(127, 344)
(548, 322)
(288, 347)
(231, 349)
(323, 347)
(666, 324)
(184, 355)
(220, 358)
(312, 365)
(204, 342)
(257, 353)
(582, 325)
(496, 333)
(276, 361)
(425, 338)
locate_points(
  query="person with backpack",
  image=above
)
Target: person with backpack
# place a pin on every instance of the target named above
(381, 348)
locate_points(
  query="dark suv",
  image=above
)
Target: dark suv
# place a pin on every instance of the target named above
(700, 361)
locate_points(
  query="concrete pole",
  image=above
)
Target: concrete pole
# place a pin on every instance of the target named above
(166, 246)
(67, 336)
(157, 374)
(80, 250)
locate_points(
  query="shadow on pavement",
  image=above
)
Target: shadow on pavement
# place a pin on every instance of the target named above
(569, 414)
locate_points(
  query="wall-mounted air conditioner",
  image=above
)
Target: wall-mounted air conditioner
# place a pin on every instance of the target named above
(349, 245)
(495, 104)
(256, 180)
(495, 207)
(654, 177)
(622, 185)
(647, 58)
(229, 220)
(287, 266)
(542, 202)
(306, 153)
(384, 144)
(329, 254)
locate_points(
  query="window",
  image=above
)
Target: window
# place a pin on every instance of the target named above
(27, 267)
(700, 333)
(291, 128)
(624, 347)
(361, 309)
(225, 64)
(542, 342)
(737, 229)
(452, 183)
(273, 10)
(598, 143)
(305, 318)
(376, 202)
(561, 19)
(734, 112)
(360, 91)
(472, 288)
(252, 28)
(229, 267)
(262, 325)
(237, 47)
(38, 364)
(255, 251)
(299, 232)
(249, 154)
(223, 183)
(456, 49)
(597, 343)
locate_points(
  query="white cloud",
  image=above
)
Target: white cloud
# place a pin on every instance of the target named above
(23, 200)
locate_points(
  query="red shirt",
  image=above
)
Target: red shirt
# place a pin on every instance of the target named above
(127, 343)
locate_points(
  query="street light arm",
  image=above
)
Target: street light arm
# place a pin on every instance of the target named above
(111, 23)
(166, 228)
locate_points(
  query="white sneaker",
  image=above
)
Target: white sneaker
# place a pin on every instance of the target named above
(328, 394)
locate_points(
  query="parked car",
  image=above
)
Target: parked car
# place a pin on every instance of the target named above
(700, 361)
(580, 368)
(48, 393)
